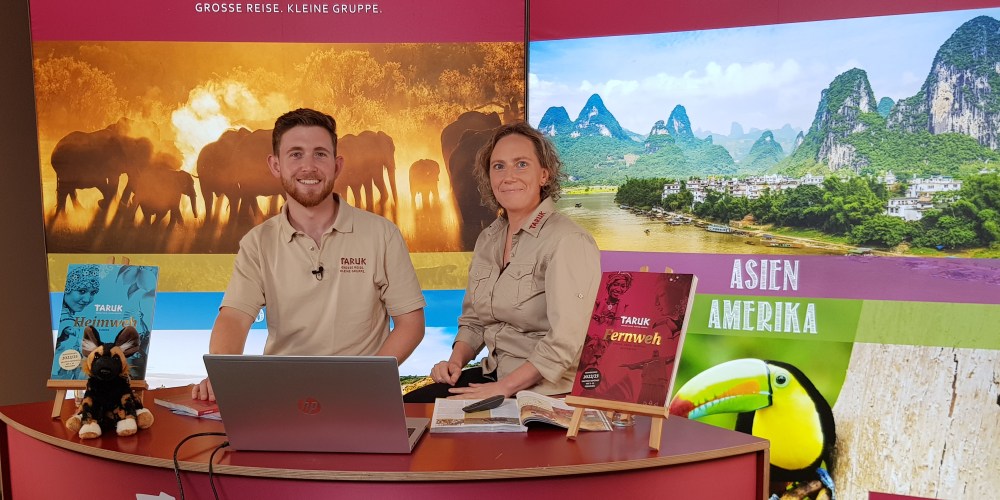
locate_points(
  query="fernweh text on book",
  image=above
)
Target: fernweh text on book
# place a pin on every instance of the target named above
(108, 297)
(635, 336)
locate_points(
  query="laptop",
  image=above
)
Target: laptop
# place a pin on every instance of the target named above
(313, 403)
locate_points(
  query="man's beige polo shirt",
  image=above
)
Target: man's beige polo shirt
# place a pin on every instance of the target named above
(367, 277)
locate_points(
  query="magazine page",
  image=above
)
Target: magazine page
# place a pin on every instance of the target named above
(536, 407)
(449, 417)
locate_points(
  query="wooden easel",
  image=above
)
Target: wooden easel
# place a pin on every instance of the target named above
(658, 413)
(61, 386)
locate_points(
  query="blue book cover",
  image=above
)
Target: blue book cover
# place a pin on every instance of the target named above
(108, 297)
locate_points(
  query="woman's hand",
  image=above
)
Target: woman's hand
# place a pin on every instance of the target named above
(478, 391)
(523, 377)
(446, 372)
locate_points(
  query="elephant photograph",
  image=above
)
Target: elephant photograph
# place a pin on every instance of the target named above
(368, 157)
(84, 160)
(424, 175)
(235, 167)
(470, 120)
(159, 188)
(461, 163)
(211, 107)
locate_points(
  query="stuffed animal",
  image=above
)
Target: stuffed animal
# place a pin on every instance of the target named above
(109, 401)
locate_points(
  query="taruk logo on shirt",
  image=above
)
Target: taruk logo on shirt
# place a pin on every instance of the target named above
(352, 264)
(538, 218)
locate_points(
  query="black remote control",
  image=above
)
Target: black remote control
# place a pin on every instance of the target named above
(485, 404)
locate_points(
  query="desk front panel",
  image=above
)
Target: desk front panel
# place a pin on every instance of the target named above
(691, 453)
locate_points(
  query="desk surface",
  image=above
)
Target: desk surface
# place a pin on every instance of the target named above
(543, 451)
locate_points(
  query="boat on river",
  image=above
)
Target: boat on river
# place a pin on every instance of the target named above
(719, 228)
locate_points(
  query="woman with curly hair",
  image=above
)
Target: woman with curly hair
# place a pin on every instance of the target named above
(532, 281)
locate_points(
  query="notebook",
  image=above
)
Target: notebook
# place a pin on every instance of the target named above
(313, 403)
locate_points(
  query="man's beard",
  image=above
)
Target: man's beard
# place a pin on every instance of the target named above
(307, 199)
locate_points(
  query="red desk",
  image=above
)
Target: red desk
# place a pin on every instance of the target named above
(44, 460)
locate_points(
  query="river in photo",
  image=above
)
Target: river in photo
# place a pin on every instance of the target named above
(616, 229)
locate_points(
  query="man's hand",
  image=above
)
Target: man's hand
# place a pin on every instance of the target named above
(203, 391)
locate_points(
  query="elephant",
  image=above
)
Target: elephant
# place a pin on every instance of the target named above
(97, 159)
(213, 178)
(461, 169)
(254, 176)
(235, 166)
(424, 175)
(470, 120)
(366, 156)
(158, 190)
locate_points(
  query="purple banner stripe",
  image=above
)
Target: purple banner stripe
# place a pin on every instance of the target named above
(973, 281)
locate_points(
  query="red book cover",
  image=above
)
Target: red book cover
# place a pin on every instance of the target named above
(182, 402)
(635, 336)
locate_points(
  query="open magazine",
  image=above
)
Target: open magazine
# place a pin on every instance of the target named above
(512, 416)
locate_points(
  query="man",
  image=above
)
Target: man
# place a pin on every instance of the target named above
(331, 275)
(655, 375)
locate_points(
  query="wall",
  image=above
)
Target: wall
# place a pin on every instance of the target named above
(24, 298)
(22, 260)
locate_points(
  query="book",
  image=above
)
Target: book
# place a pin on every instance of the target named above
(107, 297)
(512, 416)
(182, 403)
(634, 340)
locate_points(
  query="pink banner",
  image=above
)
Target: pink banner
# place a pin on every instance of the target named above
(384, 21)
(970, 281)
(562, 19)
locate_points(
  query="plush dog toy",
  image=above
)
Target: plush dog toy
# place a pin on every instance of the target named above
(109, 401)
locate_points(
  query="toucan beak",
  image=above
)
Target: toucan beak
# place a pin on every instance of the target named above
(737, 386)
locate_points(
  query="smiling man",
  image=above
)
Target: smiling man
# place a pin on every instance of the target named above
(330, 275)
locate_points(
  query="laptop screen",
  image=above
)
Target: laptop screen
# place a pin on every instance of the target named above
(311, 403)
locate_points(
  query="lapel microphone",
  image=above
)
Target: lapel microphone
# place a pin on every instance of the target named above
(318, 273)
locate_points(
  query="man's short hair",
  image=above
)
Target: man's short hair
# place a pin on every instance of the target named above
(303, 117)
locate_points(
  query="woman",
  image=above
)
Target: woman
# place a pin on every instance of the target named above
(618, 284)
(82, 284)
(532, 281)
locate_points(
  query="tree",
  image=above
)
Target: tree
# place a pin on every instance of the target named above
(73, 95)
(955, 415)
(641, 192)
(800, 207)
(881, 230)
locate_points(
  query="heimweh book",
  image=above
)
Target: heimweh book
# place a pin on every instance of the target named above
(108, 297)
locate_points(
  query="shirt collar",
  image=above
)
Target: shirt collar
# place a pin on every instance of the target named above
(344, 223)
(533, 225)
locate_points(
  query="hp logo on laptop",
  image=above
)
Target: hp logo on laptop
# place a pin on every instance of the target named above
(309, 406)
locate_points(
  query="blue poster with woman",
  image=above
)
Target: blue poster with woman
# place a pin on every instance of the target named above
(107, 297)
